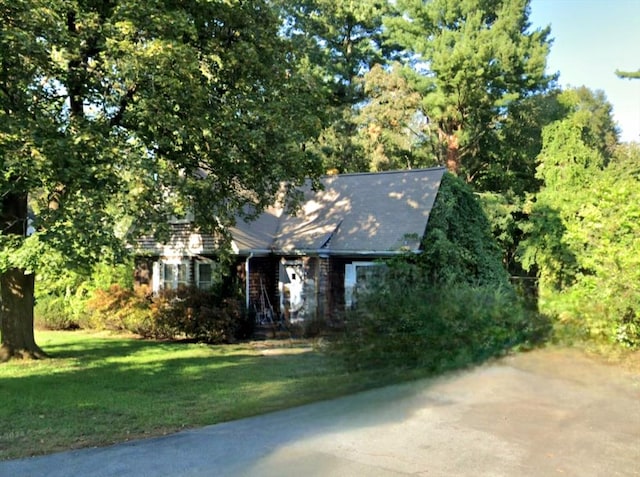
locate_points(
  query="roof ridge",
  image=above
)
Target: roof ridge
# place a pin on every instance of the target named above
(378, 173)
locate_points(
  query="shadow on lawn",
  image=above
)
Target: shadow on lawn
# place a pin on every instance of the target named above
(96, 348)
(94, 386)
(90, 348)
(128, 364)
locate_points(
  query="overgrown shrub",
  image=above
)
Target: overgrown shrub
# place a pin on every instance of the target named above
(406, 323)
(627, 330)
(459, 247)
(187, 313)
(63, 294)
(601, 316)
(120, 309)
(582, 238)
(53, 313)
(199, 315)
(447, 307)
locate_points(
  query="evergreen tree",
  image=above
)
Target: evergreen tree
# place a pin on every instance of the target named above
(392, 128)
(474, 60)
(336, 43)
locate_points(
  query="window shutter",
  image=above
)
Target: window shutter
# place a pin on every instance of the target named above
(349, 283)
(156, 277)
(349, 274)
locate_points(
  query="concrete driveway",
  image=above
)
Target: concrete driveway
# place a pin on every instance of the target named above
(545, 413)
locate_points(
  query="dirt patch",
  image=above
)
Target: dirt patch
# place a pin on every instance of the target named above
(280, 347)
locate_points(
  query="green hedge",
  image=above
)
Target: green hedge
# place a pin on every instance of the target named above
(407, 324)
(54, 313)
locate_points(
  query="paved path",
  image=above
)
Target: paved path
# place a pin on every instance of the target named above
(544, 413)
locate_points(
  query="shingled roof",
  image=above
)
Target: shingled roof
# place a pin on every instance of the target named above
(367, 213)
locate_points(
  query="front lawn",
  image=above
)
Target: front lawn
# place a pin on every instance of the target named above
(97, 389)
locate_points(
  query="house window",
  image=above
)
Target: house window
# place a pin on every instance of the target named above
(204, 275)
(357, 277)
(175, 275)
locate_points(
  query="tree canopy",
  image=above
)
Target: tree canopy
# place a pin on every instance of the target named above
(582, 235)
(336, 42)
(393, 130)
(628, 74)
(121, 108)
(473, 62)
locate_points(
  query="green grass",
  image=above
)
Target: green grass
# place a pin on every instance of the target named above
(97, 390)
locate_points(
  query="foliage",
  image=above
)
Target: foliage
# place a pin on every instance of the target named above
(473, 60)
(52, 313)
(583, 235)
(591, 111)
(448, 307)
(63, 293)
(198, 315)
(407, 322)
(118, 309)
(336, 43)
(125, 102)
(392, 128)
(510, 153)
(628, 74)
(187, 313)
(458, 246)
(107, 299)
(120, 113)
(505, 214)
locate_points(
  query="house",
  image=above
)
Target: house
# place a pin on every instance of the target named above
(307, 264)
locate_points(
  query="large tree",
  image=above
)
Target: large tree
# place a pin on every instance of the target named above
(337, 42)
(583, 235)
(113, 108)
(474, 60)
(392, 128)
(509, 155)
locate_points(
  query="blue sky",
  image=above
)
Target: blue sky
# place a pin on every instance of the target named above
(593, 38)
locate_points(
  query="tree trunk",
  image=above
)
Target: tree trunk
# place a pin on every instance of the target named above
(453, 155)
(16, 290)
(452, 145)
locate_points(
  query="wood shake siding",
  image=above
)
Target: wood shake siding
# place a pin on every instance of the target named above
(179, 239)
